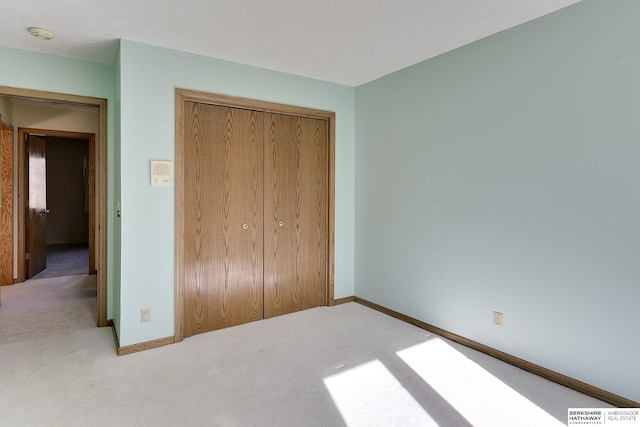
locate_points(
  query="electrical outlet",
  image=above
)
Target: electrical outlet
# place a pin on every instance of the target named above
(145, 315)
(498, 319)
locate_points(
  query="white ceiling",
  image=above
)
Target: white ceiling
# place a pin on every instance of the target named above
(342, 41)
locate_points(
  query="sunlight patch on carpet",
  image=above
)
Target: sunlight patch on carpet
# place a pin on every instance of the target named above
(369, 395)
(475, 393)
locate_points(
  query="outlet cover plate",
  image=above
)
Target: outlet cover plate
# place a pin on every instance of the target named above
(498, 320)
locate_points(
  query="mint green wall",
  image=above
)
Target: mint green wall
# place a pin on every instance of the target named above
(504, 176)
(29, 70)
(148, 78)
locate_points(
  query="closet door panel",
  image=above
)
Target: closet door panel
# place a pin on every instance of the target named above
(296, 214)
(224, 217)
(314, 206)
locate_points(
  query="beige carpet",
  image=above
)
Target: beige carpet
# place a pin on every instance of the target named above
(332, 366)
(41, 307)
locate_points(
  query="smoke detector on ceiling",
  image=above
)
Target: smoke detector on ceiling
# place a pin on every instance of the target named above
(40, 33)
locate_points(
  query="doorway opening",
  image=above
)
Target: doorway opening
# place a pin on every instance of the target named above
(56, 205)
(97, 239)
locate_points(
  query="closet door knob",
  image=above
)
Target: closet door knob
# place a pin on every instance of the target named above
(281, 223)
(245, 226)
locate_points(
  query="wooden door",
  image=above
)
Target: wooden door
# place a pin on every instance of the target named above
(36, 244)
(6, 202)
(296, 214)
(223, 217)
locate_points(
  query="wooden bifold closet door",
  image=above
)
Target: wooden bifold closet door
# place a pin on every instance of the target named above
(256, 215)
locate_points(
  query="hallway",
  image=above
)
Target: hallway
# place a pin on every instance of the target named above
(42, 307)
